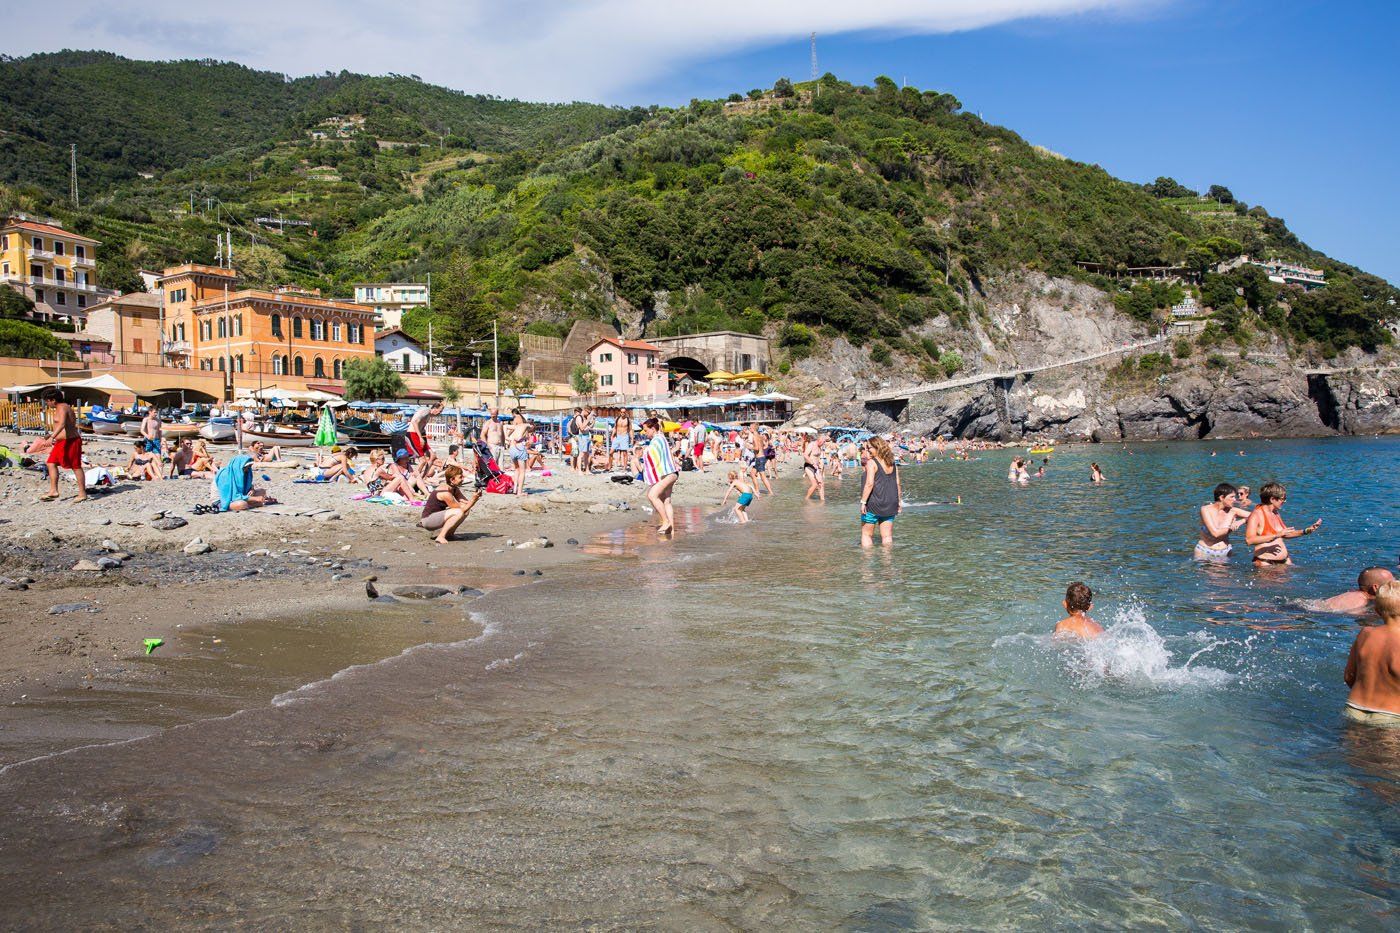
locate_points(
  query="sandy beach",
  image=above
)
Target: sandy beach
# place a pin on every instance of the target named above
(318, 556)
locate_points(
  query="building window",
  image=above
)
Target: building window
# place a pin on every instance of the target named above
(223, 328)
(319, 368)
(631, 359)
(5, 269)
(82, 301)
(182, 331)
(605, 358)
(277, 325)
(4, 241)
(296, 330)
(297, 368)
(136, 345)
(631, 379)
(38, 296)
(238, 360)
(318, 330)
(335, 332)
(606, 380)
(58, 247)
(277, 365)
(352, 333)
(80, 251)
(37, 242)
(60, 275)
(337, 369)
(221, 364)
(651, 359)
(60, 298)
(238, 326)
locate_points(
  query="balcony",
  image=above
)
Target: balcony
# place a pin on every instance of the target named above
(34, 281)
(86, 262)
(40, 253)
(178, 347)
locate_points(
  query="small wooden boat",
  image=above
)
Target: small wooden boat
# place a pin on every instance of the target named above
(286, 437)
(132, 428)
(180, 429)
(105, 421)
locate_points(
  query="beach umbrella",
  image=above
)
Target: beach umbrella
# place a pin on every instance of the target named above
(751, 375)
(720, 375)
(325, 431)
(779, 397)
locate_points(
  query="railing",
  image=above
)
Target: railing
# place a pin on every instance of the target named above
(40, 253)
(41, 282)
(84, 261)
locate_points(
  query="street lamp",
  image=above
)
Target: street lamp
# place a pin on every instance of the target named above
(477, 357)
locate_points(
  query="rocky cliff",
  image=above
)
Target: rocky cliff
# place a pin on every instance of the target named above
(1033, 321)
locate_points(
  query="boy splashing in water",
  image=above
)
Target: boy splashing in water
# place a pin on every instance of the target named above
(1373, 670)
(1079, 599)
(745, 489)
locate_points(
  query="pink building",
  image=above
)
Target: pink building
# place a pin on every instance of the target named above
(628, 367)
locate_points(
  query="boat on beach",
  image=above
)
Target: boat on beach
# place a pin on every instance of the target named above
(218, 429)
(106, 421)
(286, 437)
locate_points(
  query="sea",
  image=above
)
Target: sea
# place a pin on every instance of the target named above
(764, 726)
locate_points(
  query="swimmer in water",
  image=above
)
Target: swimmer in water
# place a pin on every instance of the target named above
(1368, 582)
(1218, 519)
(1243, 500)
(1266, 531)
(1373, 669)
(1079, 599)
(1095, 474)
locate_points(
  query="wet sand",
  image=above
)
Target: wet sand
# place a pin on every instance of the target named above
(71, 642)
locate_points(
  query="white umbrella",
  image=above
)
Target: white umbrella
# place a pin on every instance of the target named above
(778, 397)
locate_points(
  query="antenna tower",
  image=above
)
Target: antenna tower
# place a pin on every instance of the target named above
(814, 56)
(73, 173)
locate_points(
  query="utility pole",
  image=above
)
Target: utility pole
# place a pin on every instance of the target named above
(73, 173)
(814, 56)
(496, 363)
(431, 367)
(228, 247)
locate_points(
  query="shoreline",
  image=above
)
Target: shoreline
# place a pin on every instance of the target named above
(71, 640)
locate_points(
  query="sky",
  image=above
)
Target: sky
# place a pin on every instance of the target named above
(1291, 104)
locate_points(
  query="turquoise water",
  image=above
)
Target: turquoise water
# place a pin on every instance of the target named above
(763, 726)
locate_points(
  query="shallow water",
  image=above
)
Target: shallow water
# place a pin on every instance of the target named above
(761, 725)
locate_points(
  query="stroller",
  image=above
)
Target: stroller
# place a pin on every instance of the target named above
(488, 475)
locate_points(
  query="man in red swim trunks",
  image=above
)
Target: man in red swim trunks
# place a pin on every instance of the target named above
(418, 429)
(67, 451)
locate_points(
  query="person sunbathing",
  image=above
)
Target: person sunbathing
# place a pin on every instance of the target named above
(203, 461)
(261, 453)
(143, 465)
(182, 459)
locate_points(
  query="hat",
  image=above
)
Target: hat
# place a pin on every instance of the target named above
(400, 454)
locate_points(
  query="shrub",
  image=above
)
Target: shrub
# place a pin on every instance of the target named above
(1182, 349)
(951, 361)
(879, 353)
(1215, 361)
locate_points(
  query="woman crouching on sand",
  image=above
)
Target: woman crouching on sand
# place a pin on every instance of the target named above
(445, 509)
(659, 470)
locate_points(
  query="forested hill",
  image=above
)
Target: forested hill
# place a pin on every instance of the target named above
(806, 211)
(130, 117)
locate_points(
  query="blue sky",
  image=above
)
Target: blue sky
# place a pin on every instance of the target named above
(1293, 105)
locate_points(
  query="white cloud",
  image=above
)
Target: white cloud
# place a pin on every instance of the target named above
(544, 50)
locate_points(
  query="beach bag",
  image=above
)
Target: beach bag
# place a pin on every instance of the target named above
(687, 464)
(501, 484)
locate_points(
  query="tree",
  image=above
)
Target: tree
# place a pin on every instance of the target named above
(1166, 187)
(14, 305)
(517, 384)
(451, 395)
(783, 88)
(262, 266)
(372, 378)
(582, 379)
(28, 341)
(1220, 193)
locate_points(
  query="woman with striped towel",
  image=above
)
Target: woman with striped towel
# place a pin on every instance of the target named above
(659, 470)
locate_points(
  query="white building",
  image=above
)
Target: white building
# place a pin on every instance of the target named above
(401, 351)
(390, 300)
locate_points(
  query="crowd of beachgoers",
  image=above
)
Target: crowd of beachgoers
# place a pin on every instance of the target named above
(444, 480)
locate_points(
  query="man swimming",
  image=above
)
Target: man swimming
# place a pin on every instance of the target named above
(1079, 599)
(1373, 669)
(1368, 582)
(1218, 519)
(1265, 531)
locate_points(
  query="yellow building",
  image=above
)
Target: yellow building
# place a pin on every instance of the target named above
(53, 267)
(129, 325)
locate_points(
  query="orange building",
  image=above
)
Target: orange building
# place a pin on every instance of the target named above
(211, 324)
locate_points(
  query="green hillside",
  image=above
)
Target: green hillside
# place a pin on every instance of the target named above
(809, 212)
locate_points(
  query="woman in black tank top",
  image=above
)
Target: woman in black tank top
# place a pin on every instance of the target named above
(881, 495)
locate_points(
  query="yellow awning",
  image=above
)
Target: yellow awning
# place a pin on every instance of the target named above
(720, 375)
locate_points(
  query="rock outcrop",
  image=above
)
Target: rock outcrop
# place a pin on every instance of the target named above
(1032, 320)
